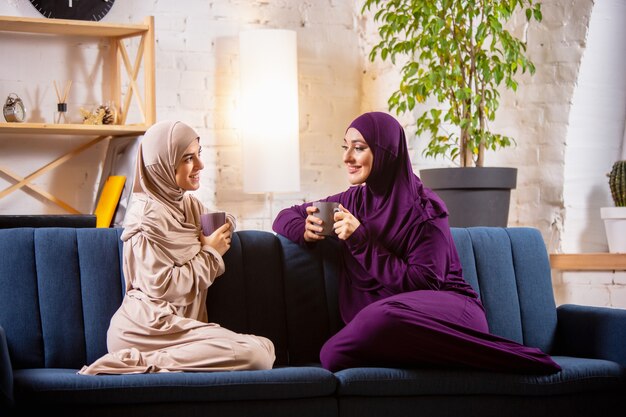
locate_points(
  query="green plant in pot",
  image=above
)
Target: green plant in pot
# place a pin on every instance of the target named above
(615, 217)
(457, 53)
(617, 183)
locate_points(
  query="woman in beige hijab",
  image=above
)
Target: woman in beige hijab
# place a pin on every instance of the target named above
(168, 266)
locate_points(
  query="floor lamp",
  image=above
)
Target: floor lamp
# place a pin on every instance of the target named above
(269, 111)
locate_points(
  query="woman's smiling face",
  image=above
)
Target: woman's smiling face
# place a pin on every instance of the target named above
(357, 156)
(188, 169)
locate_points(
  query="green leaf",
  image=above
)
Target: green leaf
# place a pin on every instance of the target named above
(458, 54)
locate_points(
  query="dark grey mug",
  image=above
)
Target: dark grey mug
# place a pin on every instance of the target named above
(326, 211)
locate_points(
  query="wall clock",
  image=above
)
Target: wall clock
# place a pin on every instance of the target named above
(73, 9)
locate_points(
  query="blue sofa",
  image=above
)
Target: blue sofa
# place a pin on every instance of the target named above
(60, 286)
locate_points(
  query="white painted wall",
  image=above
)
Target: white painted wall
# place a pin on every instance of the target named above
(594, 142)
(596, 128)
(566, 119)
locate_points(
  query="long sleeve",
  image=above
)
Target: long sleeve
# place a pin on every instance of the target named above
(290, 223)
(423, 265)
(149, 269)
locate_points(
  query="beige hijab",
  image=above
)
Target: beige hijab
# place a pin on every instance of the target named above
(160, 210)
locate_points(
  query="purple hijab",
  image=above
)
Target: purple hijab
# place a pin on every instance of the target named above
(404, 242)
(393, 198)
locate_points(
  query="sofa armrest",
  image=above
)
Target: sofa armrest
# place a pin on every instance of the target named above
(592, 332)
(6, 373)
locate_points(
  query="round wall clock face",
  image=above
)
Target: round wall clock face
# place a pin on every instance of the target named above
(73, 9)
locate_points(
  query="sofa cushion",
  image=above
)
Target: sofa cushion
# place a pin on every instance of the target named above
(56, 386)
(578, 375)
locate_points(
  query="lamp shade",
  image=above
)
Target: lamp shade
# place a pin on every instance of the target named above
(269, 110)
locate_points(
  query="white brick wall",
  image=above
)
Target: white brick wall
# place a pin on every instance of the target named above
(596, 128)
(566, 136)
(594, 140)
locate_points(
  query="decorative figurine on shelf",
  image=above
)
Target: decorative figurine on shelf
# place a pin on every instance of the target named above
(13, 109)
(62, 102)
(92, 118)
(103, 115)
(110, 114)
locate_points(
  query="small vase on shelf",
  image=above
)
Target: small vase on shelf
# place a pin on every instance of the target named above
(61, 114)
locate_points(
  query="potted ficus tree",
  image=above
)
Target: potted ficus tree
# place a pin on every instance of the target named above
(458, 53)
(615, 217)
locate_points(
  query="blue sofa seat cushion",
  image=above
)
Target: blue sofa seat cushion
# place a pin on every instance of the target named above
(64, 386)
(578, 375)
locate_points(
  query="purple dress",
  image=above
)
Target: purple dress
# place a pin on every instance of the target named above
(402, 294)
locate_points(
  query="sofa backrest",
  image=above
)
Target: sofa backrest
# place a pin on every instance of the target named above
(510, 270)
(274, 288)
(59, 288)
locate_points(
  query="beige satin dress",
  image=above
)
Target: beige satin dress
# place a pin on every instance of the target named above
(161, 325)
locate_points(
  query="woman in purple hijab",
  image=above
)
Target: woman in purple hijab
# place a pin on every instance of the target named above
(402, 294)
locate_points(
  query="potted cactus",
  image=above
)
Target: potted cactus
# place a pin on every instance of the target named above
(615, 217)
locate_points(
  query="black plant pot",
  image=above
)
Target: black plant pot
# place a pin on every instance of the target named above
(474, 196)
